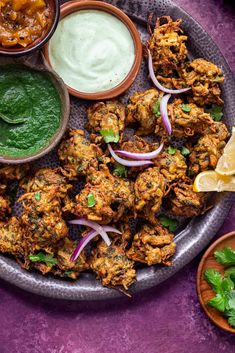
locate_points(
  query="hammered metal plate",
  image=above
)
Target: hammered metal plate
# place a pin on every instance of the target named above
(198, 232)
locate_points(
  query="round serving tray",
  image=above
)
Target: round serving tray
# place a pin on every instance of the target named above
(199, 231)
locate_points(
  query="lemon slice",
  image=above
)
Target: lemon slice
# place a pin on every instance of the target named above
(226, 163)
(212, 181)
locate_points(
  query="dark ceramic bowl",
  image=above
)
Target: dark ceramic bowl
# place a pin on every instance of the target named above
(65, 111)
(39, 42)
(193, 236)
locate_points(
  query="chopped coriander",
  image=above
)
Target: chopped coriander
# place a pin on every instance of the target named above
(185, 151)
(156, 108)
(216, 112)
(37, 196)
(120, 170)
(41, 257)
(217, 79)
(109, 135)
(169, 223)
(91, 200)
(226, 256)
(186, 108)
(171, 150)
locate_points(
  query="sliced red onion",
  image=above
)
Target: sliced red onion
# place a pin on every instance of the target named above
(100, 230)
(164, 113)
(138, 156)
(84, 241)
(128, 163)
(157, 83)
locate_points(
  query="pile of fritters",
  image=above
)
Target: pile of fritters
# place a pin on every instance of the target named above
(40, 237)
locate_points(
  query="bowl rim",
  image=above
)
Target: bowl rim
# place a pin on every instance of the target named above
(203, 260)
(39, 42)
(78, 5)
(64, 117)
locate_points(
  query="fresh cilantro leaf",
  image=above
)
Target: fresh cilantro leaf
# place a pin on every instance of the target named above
(37, 196)
(120, 170)
(109, 135)
(214, 278)
(169, 223)
(186, 108)
(171, 150)
(226, 256)
(91, 200)
(230, 273)
(185, 151)
(231, 300)
(216, 112)
(227, 285)
(156, 108)
(41, 257)
(218, 302)
(230, 314)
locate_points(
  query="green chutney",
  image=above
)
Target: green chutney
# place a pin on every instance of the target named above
(30, 111)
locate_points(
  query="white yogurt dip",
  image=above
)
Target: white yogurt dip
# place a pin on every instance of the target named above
(92, 51)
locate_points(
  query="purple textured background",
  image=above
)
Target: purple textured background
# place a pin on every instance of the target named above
(167, 318)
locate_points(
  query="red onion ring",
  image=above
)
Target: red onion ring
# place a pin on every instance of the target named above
(164, 113)
(122, 161)
(84, 241)
(100, 230)
(157, 83)
(139, 156)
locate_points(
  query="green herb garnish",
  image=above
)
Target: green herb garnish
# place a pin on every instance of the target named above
(185, 151)
(68, 273)
(171, 150)
(91, 200)
(49, 260)
(156, 108)
(109, 135)
(120, 170)
(230, 273)
(226, 256)
(186, 108)
(169, 223)
(37, 196)
(216, 112)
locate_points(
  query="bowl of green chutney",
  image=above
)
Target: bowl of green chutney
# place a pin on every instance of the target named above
(34, 112)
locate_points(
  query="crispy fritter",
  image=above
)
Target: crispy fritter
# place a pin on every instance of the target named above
(105, 116)
(204, 77)
(140, 111)
(184, 202)
(171, 166)
(78, 155)
(152, 245)
(16, 172)
(111, 264)
(185, 123)
(149, 191)
(168, 50)
(12, 234)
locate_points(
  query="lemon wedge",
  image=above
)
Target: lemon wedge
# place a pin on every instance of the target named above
(212, 181)
(226, 163)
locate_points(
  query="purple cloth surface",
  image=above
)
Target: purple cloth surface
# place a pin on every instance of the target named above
(165, 319)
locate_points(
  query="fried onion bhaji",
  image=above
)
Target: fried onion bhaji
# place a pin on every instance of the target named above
(12, 234)
(105, 116)
(77, 155)
(184, 202)
(111, 264)
(204, 77)
(152, 245)
(140, 111)
(185, 123)
(11, 173)
(168, 50)
(149, 190)
(113, 196)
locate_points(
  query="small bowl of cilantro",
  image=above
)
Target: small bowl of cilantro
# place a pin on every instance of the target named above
(216, 282)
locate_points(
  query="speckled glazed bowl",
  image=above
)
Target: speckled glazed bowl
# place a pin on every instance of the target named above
(192, 237)
(75, 6)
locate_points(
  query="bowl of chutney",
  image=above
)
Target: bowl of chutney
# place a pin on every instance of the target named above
(26, 25)
(34, 112)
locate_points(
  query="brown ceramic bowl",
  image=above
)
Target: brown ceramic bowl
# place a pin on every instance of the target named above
(38, 43)
(74, 6)
(204, 291)
(65, 111)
